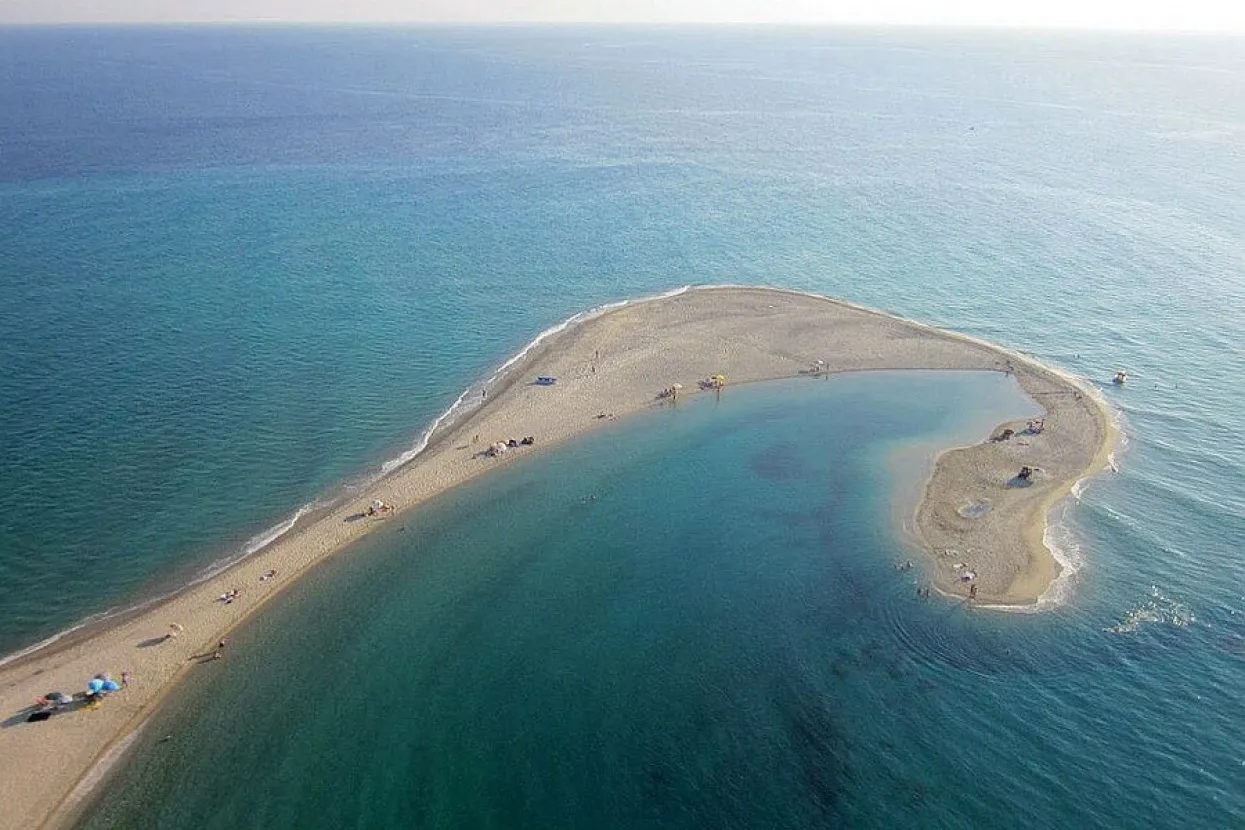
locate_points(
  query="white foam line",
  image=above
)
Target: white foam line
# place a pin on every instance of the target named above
(422, 444)
(91, 620)
(263, 540)
(256, 543)
(17, 655)
(462, 402)
(1062, 543)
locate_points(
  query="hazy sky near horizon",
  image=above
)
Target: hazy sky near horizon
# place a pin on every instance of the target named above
(1200, 15)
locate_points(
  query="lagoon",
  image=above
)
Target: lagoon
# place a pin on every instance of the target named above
(691, 619)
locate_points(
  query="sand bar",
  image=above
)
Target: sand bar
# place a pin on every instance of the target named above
(608, 367)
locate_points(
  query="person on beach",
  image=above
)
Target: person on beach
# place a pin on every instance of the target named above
(175, 629)
(972, 592)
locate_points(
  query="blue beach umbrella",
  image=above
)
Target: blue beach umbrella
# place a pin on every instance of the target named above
(94, 685)
(110, 686)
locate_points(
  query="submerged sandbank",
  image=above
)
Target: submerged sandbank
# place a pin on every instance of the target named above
(607, 367)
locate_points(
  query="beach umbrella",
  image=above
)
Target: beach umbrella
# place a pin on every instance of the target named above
(95, 685)
(377, 503)
(676, 386)
(111, 686)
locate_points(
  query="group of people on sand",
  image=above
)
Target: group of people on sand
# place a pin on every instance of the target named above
(925, 591)
(97, 688)
(1031, 428)
(378, 508)
(965, 576)
(229, 596)
(501, 447)
(817, 367)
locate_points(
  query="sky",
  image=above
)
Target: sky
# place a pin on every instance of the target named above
(1196, 15)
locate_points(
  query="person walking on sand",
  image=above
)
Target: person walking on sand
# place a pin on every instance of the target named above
(972, 592)
(174, 631)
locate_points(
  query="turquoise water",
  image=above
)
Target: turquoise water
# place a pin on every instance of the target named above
(241, 269)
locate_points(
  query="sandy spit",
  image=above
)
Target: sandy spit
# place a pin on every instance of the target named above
(608, 367)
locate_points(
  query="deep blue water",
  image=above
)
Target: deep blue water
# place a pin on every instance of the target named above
(240, 268)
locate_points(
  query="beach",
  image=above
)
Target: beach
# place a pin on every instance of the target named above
(976, 514)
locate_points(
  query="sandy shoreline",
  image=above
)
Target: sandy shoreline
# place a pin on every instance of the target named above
(611, 365)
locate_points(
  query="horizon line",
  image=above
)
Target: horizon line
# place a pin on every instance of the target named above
(1010, 28)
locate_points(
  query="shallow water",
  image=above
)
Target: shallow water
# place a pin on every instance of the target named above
(266, 274)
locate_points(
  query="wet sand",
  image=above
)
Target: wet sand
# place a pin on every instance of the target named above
(609, 367)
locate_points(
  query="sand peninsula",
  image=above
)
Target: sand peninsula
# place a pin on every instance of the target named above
(608, 366)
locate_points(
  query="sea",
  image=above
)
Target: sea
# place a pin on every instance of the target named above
(246, 270)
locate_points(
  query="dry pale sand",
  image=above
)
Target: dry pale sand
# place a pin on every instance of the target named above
(613, 365)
